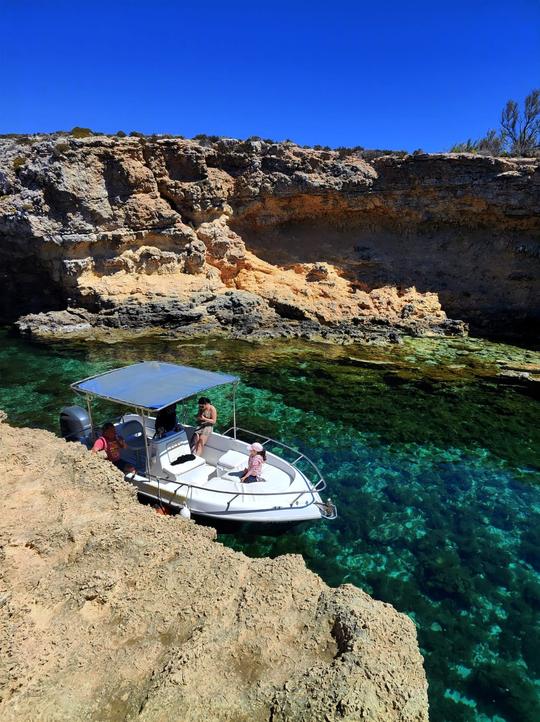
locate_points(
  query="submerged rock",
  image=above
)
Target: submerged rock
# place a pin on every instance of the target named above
(110, 611)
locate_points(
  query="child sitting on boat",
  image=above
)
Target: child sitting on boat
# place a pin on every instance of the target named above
(111, 443)
(257, 457)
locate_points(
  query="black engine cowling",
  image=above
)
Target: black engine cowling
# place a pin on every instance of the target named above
(75, 424)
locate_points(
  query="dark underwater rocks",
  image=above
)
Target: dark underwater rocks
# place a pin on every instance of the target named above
(436, 480)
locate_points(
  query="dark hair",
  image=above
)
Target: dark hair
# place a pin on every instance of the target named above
(263, 454)
(204, 400)
(108, 425)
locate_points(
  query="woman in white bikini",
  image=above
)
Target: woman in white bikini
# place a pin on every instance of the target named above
(206, 418)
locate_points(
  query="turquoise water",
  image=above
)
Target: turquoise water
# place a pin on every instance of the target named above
(434, 464)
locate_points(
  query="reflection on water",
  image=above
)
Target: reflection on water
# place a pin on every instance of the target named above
(434, 465)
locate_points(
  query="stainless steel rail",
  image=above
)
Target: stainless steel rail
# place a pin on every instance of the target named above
(233, 494)
(318, 485)
(189, 485)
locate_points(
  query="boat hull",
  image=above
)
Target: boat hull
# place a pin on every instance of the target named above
(244, 511)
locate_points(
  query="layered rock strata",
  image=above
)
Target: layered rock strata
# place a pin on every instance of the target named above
(109, 611)
(260, 238)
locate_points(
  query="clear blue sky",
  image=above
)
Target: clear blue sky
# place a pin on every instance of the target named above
(382, 74)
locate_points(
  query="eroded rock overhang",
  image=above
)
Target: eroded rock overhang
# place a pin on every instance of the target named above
(261, 238)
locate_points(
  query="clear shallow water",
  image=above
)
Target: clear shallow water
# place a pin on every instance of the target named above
(434, 465)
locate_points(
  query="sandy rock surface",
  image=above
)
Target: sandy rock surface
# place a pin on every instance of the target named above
(111, 612)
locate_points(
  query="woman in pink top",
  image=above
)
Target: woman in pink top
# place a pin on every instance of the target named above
(257, 457)
(109, 445)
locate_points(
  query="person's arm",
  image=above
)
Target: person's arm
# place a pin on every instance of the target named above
(121, 442)
(208, 420)
(254, 467)
(100, 447)
(246, 471)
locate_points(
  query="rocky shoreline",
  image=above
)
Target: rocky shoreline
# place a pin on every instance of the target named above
(233, 315)
(110, 611)
(257, 240)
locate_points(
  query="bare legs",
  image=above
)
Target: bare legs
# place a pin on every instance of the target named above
(201, 442)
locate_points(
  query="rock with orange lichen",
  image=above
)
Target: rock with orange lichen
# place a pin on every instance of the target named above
(334, 246)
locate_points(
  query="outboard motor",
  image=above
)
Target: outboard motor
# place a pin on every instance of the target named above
(75, 425)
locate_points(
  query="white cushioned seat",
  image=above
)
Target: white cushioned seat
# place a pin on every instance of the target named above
(233, 459)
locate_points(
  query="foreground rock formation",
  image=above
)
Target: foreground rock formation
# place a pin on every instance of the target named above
(111, 612)
(260, 238)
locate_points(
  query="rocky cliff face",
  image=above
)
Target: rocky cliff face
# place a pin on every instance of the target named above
(111, 612)
(262, 238)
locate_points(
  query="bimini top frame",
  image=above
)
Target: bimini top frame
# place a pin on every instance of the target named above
(151, 385)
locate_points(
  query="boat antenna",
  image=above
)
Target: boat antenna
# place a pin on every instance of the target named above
(234, 407)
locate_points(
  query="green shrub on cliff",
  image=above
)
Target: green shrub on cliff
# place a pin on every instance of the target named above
(367, 153)
(78, 132)
(203, 138)
(519, 133)
(490, 144)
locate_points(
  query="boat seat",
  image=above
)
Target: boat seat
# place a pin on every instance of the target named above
(278, 478)
(132, 432)
(230, 460)
(177, 449)
(197, 475)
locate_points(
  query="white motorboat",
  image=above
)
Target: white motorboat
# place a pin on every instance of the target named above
(167, 471)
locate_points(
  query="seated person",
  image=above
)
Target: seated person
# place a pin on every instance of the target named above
(206, 418)
(257, 457)
(111, 443)
(166, 421)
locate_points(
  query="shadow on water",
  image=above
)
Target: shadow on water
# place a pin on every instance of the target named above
(432, 459)
(249, 530)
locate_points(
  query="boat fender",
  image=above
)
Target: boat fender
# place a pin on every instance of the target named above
(185, 512)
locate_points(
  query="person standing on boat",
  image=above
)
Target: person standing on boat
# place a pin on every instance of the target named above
(257, 457)
(206, 418)
(111, 443)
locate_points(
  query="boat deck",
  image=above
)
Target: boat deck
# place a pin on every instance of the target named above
(206, 483)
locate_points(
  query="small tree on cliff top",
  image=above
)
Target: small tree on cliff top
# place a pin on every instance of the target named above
(519, 133)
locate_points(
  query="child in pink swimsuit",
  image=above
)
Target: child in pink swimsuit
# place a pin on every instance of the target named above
(257, 457)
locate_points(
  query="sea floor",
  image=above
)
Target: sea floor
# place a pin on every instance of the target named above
(431, 451)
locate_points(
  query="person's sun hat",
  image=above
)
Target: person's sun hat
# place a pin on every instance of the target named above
(256, 447)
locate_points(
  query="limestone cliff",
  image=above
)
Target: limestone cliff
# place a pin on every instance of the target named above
(262, 238)
(111, 612)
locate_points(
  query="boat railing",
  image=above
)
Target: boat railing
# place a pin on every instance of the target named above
(328, 509)
(226, 492)
(318, 484)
